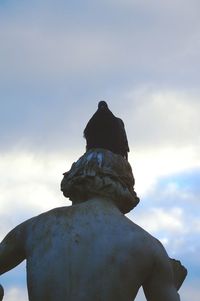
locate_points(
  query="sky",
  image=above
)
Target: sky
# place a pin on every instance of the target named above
(57, 60)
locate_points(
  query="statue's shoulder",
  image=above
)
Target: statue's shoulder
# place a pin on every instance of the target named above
(53, 213)
(144, 238)
(21, 230)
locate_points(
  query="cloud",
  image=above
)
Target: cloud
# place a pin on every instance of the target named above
(158, 219)
(56, 61)
(104, 39)
(15, 293)
(52, 55)
(165, 117)
(154, 119)
(170, 212)
(190, 291)
(149, 164)
(30, 185)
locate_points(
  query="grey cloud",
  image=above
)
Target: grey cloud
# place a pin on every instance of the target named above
(111, 40)
(190, 291)
(57, 61)
(163, 118)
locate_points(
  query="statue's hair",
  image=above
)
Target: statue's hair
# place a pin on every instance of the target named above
(101, 173)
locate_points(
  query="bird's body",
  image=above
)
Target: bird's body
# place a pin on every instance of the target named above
(106, 131)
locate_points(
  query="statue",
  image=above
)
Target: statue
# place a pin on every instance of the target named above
(91, 250)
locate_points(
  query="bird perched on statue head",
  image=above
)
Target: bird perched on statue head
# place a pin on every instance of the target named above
(105, 130)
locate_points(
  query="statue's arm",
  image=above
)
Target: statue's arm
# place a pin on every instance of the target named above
(160, 284)
(12, 250)
(179, 272)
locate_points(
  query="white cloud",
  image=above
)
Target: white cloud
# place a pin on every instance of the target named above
(158, 219)
(30, 184)
(175, 228)
(149, 164)
(15, 293)
(167, 117)
(162, 126)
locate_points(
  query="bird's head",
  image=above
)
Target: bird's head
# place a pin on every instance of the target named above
(102, 105)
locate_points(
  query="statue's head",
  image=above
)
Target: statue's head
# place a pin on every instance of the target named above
(101, 173)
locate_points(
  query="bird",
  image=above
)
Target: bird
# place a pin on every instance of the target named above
(105, 130)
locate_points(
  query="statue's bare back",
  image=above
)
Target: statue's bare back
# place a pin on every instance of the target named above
(87, 252)
(67, 248)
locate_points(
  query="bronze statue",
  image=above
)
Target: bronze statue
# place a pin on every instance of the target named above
(91, 250)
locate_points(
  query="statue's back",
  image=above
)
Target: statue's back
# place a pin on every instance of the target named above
(86, 252)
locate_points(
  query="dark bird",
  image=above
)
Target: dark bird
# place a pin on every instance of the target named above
(105, 130)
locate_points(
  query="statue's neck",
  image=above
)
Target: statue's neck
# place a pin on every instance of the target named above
(100, 203)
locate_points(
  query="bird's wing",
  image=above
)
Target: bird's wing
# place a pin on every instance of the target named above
(123, 135)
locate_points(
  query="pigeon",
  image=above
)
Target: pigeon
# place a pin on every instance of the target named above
(105, 130)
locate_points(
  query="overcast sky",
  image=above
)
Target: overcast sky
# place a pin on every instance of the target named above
(57, 60)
